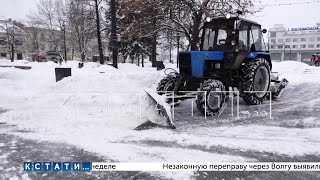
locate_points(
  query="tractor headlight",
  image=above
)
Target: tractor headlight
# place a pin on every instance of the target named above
(233, 42)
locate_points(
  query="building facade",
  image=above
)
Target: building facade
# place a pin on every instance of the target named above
(296, 44)
(29, 43)
(12, 40)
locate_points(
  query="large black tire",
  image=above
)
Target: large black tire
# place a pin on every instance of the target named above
(166, 84)
(256, 81)
(212, 97)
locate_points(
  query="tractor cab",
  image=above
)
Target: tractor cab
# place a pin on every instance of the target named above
(232, 35)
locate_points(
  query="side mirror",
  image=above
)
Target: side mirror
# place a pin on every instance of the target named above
(264, 31)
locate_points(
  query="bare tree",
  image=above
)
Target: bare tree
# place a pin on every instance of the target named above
(82, 26)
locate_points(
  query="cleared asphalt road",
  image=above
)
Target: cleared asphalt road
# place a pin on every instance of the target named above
(15, 150)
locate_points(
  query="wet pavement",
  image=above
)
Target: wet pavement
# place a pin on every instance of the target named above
(16, 150)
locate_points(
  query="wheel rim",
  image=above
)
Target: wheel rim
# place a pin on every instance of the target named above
(261, 81)
(214, 99)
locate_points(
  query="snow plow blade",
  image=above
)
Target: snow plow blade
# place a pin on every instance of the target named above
(164, 111)
(277, 86)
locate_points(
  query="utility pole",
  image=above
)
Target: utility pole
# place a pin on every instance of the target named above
(101, 56)
(114, 33)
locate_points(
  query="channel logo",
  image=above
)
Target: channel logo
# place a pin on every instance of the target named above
(57, 166)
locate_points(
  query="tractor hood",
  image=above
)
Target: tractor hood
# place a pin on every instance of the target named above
(192, 62)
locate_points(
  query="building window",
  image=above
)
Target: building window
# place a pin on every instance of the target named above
(273, 47)
(287, 46)
(318, 38)
(280, 47)
(295, 40)
(273, 34)
(294, 46)
(288, 40)
(311, 46)
(303, 39)
(273, 41)
(311, 39)
(3, 54)
(280, 40)
(303, 46)
(318, 45)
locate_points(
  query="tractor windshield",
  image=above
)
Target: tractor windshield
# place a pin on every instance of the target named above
(219, 35)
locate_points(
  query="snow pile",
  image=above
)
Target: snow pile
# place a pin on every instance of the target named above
(297, 72)
(98, 95)
(7, 62)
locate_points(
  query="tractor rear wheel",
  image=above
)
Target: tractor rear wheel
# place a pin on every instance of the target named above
(212, 97)
(256, 81)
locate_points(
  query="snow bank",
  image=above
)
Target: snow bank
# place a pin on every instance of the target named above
(297, 72)
(102, 94)
(14, 63)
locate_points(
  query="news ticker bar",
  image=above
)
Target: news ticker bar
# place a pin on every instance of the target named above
(98, 166)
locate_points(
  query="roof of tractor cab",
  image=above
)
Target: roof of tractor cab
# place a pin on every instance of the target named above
(234, 18)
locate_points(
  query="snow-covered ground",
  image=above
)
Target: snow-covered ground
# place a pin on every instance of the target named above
(99, 106)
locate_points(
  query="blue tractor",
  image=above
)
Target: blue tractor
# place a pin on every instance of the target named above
(231, 56)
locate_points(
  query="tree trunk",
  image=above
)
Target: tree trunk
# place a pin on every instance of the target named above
(195, 32)
(114, 43)
(83, 57)
(12, 52)
(99, 33)
(142, 61)
(154, 50)
(154, 41)
(72, 56)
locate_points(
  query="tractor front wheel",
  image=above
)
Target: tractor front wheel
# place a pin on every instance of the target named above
(212, 97)
(166, 85)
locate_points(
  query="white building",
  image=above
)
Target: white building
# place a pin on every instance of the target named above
(11, 37)
(295, 43)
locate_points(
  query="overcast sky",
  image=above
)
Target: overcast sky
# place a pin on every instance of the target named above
(299, 15)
